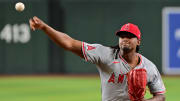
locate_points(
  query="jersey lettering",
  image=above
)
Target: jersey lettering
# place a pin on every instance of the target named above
(120, 78)
(112, 78)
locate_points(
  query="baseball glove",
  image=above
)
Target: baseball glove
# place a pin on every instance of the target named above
(136, 80)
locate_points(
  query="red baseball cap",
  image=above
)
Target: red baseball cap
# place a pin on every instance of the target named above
(131, 28)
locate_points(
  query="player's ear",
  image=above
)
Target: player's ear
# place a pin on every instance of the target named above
(138, 42)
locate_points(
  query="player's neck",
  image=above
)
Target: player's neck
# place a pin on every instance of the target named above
(130, 57)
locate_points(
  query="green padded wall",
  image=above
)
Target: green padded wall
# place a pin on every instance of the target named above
(22, 51)
(93, 21)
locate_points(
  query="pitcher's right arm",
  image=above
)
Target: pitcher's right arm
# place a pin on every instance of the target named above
(62, 39)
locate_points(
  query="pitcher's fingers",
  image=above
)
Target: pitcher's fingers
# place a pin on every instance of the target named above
(35, 19)
(33, 29)
(31, 23)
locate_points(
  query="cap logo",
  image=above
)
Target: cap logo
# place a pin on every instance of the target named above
(126, 27)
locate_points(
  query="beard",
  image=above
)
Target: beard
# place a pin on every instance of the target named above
(126, 49)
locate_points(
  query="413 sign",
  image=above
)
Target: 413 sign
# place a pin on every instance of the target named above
(17, 33)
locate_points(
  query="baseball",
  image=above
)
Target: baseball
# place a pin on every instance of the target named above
(19, 6)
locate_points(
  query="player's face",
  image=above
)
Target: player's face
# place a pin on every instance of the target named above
(128, 42)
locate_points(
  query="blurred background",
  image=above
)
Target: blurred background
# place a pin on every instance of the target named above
(34, 68)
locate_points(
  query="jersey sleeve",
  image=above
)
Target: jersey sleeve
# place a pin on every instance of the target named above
(156, 84)
(93, 52)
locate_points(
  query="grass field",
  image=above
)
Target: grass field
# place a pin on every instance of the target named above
(65, 88)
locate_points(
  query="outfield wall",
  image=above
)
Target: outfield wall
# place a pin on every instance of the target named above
(21, 50)
(93, 21)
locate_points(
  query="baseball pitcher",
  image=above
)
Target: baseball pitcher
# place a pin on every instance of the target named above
(123, 71)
